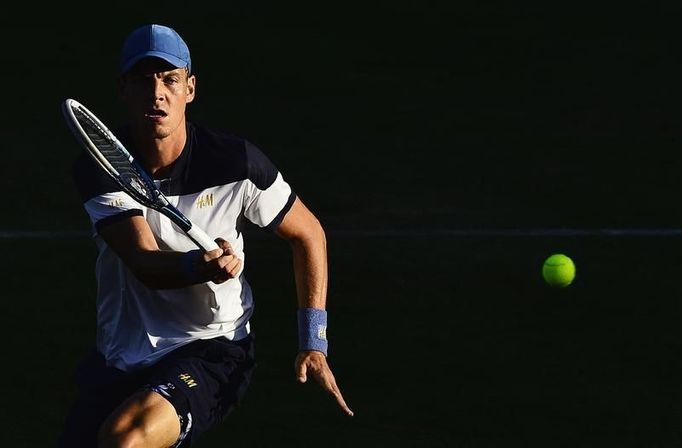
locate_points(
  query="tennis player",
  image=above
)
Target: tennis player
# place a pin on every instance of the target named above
(174, 351)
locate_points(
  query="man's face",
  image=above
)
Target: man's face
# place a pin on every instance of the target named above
(156, 94)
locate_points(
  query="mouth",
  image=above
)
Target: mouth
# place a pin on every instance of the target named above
(155, 114)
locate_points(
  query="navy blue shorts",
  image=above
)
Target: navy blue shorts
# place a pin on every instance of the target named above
(203, 380)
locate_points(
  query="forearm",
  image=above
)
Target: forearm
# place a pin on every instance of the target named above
(159, 269)
(134, 242)
(309, 248)
(310, 268)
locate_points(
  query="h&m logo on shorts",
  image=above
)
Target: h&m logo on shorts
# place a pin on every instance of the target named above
(116, 203)
(188, 380)
(205, 200)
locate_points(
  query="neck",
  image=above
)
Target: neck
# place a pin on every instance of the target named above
(157, 154)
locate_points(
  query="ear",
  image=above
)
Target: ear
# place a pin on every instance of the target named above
(191, 88)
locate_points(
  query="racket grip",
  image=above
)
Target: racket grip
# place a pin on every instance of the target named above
(203, 241)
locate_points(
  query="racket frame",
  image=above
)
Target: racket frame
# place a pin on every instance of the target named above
(158, 202)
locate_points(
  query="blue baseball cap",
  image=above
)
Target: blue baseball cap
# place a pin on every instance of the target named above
(155, 41)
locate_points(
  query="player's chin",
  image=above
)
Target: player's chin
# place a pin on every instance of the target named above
(157, 128)
(161, 132)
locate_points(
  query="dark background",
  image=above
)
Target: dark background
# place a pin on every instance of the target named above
(396, 123)
(394, 114)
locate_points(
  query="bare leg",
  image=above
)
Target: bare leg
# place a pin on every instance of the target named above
(146, 419)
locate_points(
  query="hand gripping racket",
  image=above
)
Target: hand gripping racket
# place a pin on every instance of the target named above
(116, 161)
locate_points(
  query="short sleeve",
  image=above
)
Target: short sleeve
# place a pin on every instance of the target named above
(268, 197)
(103, 199)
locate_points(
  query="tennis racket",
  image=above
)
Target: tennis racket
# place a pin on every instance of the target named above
(116, 161)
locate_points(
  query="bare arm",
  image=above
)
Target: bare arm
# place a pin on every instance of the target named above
(134, 242)
(309, 246)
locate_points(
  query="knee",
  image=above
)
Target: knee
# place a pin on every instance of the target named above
(111, 437)
(144, 420)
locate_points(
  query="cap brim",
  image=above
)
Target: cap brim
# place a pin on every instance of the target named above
(172, 60)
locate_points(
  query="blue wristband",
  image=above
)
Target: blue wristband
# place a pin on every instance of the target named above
(312, 330)
(189, 268)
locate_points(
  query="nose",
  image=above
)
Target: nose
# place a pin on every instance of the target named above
(157, 90)
(151, 88)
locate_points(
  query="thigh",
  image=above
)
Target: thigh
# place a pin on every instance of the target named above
(99, 391)
(204, 381)
(144, 419)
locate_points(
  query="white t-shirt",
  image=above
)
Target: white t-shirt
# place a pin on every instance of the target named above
(217, 181)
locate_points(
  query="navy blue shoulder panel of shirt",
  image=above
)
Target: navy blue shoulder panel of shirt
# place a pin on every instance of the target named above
(210, 158)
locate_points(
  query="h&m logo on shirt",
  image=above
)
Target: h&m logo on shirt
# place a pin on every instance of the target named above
(187, 378)
(205, 200)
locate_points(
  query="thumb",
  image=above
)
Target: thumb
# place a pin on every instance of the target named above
(302, 373)
(225, 246)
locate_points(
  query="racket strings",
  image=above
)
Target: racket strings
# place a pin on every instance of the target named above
(120, 161)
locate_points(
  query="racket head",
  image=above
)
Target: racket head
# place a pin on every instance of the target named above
(109, 153)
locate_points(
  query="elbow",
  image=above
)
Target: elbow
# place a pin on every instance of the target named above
(313, 234)
(319, 232)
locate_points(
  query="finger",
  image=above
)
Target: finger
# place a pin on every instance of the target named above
(212, 255)
(223, 262)
(233, 266)
(225, 246)
(326, 378)
(339, 398)
(302, 373)
(329, 383)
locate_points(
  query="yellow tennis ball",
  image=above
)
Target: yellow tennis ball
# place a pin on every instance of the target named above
(558, 270)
